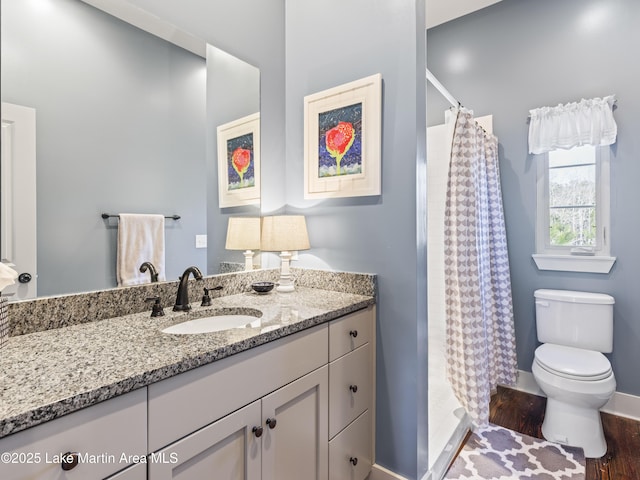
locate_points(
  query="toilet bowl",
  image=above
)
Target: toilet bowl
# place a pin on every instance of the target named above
(575, 327)
(577, 384)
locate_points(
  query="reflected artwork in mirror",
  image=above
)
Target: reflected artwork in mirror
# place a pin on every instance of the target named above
(125, 123)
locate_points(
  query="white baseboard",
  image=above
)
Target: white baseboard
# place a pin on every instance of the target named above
(621, 404)
(381, 473)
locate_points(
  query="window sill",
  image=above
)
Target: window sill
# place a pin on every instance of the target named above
(574, 263)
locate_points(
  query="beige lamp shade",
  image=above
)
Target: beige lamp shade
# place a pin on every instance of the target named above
(243, 233)
(284, 233)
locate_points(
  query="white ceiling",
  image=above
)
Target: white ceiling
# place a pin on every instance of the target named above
(441, 11)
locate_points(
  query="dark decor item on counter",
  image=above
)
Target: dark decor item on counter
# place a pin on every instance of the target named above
(263, 287)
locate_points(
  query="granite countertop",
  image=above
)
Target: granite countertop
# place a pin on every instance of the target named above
(52, 373)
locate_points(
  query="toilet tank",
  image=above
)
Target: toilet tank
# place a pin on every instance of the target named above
(576, 319)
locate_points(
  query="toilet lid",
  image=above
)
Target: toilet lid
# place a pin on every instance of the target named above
(574, 363)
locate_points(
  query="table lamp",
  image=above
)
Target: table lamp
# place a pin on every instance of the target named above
(243, 233)
(284, 233)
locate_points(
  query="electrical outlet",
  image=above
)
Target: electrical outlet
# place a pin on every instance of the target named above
(201, 241)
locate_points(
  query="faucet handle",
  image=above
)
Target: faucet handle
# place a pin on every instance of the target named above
(206, 299)
(157, 310)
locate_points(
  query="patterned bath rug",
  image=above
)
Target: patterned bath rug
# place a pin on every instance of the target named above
(495, 453)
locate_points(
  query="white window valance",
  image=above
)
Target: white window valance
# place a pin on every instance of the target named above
(587, 122)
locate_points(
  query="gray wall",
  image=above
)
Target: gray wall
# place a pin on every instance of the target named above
(369, 234)
(120, 116)
(518, 55)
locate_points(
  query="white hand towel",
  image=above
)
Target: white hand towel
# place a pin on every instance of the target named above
(7, 275)
(140, 239)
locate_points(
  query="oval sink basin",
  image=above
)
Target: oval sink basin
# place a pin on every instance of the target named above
(216, 323)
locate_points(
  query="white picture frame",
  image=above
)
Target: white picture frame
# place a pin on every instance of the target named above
(342, 138)
(239, 181)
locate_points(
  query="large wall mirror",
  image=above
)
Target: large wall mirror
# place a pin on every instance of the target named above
(123, 125)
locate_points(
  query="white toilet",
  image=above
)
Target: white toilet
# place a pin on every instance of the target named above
(574, 328)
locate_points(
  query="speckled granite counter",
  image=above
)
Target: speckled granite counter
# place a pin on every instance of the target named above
(51, 373)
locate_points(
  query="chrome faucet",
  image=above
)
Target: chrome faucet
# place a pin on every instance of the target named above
(152, 271)
(182, 299)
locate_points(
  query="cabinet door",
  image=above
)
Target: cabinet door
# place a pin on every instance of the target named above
(135, 472)
(225, 450)
(103, 439)
(295, 446)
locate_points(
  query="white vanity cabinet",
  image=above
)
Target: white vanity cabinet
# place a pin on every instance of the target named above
(104, 438)
(351, 395)
(286, 379)
(281, 436)
(183, 404)
(300, 407)
(308, 414)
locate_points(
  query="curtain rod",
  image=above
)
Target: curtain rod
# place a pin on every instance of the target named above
(436, 83)
(109, 215)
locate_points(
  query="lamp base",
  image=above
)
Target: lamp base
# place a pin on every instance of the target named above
(285, 283)
(248, 260)
(285, 288)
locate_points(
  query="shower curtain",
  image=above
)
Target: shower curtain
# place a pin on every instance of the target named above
(480, 334)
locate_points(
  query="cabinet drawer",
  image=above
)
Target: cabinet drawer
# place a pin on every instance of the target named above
(349, 388)
(105, 436)
(350, 332)
(191, 400)
(352, 445)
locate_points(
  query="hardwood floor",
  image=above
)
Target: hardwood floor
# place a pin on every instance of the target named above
(524, 413)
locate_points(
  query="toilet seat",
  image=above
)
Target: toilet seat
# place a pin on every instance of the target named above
(573, 363)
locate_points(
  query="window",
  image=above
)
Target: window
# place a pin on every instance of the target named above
(572, 231)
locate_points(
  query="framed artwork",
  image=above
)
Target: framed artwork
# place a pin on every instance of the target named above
(342, 132)
(239, 162)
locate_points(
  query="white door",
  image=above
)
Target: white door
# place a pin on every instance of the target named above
(295, 440)
(18, 198)
(228, 449)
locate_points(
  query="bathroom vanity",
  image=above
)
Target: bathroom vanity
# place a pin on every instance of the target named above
(290, 396)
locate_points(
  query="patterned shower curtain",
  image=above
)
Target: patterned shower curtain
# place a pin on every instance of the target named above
(480, 331)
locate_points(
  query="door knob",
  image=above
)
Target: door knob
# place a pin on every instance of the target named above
(24, 277)
(271, 422)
